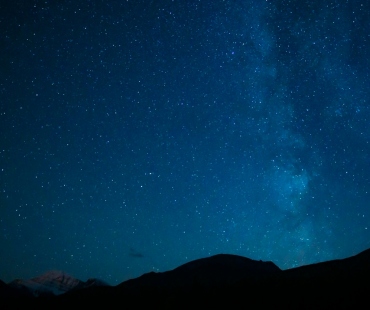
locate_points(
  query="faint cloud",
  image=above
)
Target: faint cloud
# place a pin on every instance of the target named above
(134, 253)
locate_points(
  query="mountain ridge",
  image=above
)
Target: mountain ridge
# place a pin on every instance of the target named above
(224, 277)
(53, 282)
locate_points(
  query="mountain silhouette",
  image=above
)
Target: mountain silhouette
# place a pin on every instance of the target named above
(228, 280)
(214, 271)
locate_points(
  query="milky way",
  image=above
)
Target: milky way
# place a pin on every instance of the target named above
(137, 136)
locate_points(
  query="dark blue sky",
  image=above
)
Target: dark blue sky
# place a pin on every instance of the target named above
(138, 135)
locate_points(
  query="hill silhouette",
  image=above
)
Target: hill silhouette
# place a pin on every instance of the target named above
(228, 280)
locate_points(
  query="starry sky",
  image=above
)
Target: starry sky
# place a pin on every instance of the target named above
(138, 135)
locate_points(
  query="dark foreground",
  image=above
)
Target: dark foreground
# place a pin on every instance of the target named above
(224, 280)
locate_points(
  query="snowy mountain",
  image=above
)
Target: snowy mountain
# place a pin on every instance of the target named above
(53, 283)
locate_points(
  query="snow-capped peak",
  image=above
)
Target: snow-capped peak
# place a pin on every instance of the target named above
(52, 282)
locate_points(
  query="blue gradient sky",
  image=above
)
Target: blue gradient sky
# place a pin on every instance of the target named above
(139, 135)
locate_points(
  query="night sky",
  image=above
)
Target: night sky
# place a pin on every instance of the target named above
(138, 135)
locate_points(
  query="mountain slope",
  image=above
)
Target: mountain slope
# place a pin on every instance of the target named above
(350, 266)
(52, 282)
(215, 271)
